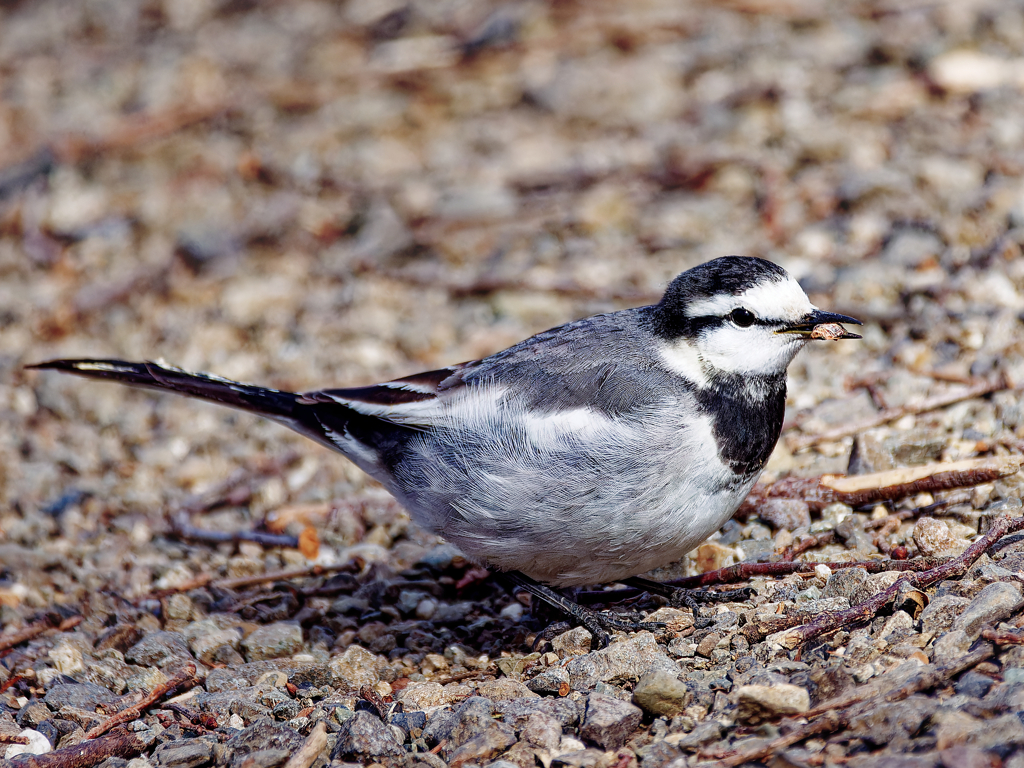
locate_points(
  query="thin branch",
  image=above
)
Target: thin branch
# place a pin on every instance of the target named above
(24, 635)
(858, 490)
(805, 543)
(186, 674)
(121, 743)
(1003, 638)
(284, 575)
(954, 567)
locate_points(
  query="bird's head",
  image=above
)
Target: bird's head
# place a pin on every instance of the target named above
(739, 315)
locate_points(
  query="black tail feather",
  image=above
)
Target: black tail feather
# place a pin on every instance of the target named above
(281, 406)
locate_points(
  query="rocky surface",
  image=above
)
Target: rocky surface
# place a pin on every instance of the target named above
(335, 193)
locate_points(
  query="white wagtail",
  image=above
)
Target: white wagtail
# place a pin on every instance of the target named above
(586, 454)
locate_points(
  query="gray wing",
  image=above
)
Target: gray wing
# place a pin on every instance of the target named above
(605, 363)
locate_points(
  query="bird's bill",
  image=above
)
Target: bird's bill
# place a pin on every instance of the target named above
(822, 325)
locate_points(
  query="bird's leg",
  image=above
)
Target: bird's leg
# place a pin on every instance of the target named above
(689, 598)
(597, 623)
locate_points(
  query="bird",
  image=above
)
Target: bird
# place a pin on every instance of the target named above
(590, 453)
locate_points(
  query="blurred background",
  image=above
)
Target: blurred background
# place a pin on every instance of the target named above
(312, 193)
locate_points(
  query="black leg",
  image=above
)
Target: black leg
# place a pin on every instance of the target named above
(689, 598)
(594, 622)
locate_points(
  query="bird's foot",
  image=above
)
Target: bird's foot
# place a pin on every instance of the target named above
(690, 598)
(598, 623)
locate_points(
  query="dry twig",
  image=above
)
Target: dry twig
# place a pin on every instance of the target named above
(954, 567)
(805, 543)
(1003, 638)
(120, 743)
(185, 675)
(24, 635)
(285, 575)
(858, 490)
(371, 697)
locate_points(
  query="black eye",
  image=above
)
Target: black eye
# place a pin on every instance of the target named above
(742, 317)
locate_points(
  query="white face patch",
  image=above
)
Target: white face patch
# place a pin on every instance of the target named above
(782, 300)
(756, 350)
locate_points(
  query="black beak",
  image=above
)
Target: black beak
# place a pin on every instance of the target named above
(809, 326)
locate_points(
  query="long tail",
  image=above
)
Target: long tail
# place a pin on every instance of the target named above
(286, 408)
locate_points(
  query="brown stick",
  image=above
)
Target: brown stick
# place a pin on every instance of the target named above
(17, 638)
(979, 389)
(371, 697)
(185, 675)
(743, 571)
(12, 738)
(957, 566)
(310, 749)
(294, 573)
(121, 743)
(858, 490)
(805, 543)
(1003, 638)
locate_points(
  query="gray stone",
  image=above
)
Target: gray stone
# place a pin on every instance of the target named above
(785, 513)
(504, 688)
(355, 668)
(844, 583)
(575, 642)
(550, 681)
(974, 684)
(704, 733)
(874, 584)
(757, 703)
(659, 692)
(884, 722)
(273, 641)
(364, 736)
(207, 646)
(490, 742)
(80, 695)
(950, 646)
(265, 734)
(881, 450)
(608, 722)
(814, 607)
(934, 539)
(473, 716)
(542, 730)
(266, 758)
(439, 726)
(939, 615)
(516, 712)
(909, 248)
(241, 701)
(159, 649)
(186, 753)
(658, 754)
(993, 603)
(32, 714)
(622, 661)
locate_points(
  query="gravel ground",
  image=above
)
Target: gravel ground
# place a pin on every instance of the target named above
(309, 193)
